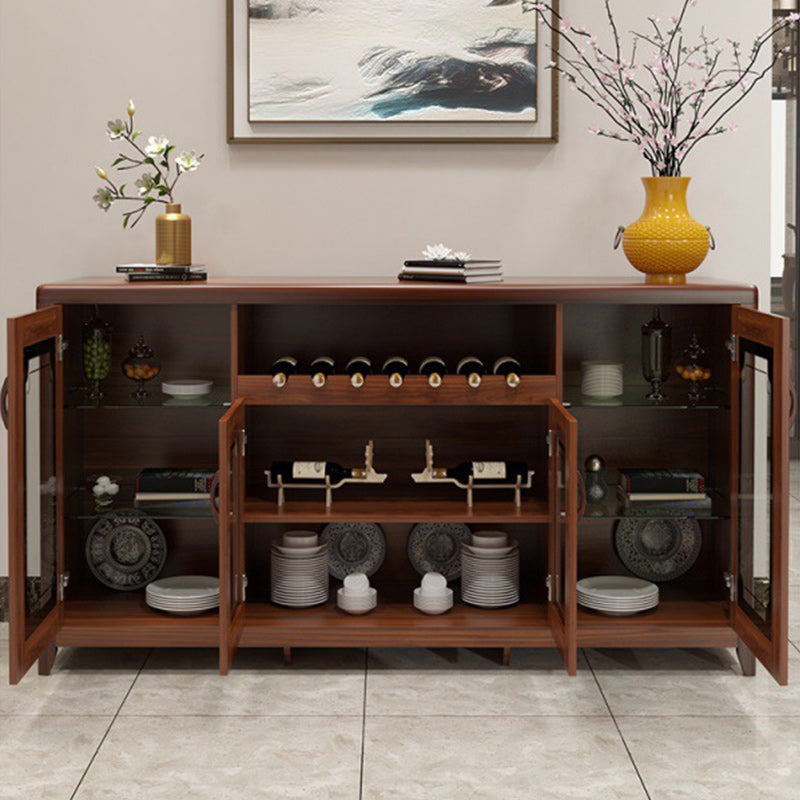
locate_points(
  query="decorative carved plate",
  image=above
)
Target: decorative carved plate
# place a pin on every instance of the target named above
(436, 547)
(354, 547)
(126, 550)
(658, 549)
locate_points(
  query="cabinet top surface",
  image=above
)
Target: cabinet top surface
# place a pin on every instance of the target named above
(292, 289)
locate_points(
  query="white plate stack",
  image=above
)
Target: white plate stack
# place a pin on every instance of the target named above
(299, 570)
(490, 570)
(183, 595)
(432, 595)
(601, 379)
(356, 595)
(617, 595)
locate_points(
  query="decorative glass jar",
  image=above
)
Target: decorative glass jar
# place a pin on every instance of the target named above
(96, 339)
(141, 365)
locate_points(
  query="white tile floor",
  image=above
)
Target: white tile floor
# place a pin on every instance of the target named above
(663, 725)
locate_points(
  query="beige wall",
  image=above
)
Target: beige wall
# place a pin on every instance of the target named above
(67, 67)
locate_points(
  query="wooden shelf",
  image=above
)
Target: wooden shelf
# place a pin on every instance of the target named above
(397, 625)
(129, 622)
(399, 509)
(690, 623)
(299, 391)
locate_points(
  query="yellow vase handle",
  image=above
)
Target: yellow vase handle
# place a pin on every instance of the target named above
(712, 241)
(618, 237)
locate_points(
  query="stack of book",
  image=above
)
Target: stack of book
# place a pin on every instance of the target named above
(452, 271)
(673, 490)
(148, 273)
(157, 485)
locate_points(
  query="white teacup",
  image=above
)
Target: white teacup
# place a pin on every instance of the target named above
(489, 539)
(433, 584)
(356, 583)
(300, 539)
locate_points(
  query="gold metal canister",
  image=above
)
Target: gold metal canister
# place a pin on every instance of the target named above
(173, 237)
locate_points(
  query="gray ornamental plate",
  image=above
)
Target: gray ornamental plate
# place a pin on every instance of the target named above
(436, 547)
(354, 547)
(658, 549)
(126, 550)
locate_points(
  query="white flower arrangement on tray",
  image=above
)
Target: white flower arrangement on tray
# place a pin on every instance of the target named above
(156, 184)
(669, 94)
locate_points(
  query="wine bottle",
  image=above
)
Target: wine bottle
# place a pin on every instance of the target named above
(486, 472)
(312, 472)
(396, 368)
(510, 367)
(473, 368)
(320, 369)
(282, 369)
(358, 368)
(434, 367)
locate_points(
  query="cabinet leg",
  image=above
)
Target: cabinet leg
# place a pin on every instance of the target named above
(506, 656)
(746, 659)
(47, 659)
(287, 656)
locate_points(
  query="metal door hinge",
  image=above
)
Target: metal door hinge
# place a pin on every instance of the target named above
(548, 582)
(244, 588)
(244, 442)
(730, 345)
(549, 444)
(62, 346)
(731, 584)
(63, 582)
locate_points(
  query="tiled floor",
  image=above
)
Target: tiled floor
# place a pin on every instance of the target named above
(394, 724)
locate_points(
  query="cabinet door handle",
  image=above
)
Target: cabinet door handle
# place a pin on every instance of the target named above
(581, 496)
(792, 405)
(213, 492)
(4, 403)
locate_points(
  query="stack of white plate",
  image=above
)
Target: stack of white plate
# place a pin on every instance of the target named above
(356, 595)
(183, 595)
(601, 379)
(617, 595)
(299, 570)
(490, 570)
(432, 596)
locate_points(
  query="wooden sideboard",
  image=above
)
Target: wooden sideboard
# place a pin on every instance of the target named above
(231, 330)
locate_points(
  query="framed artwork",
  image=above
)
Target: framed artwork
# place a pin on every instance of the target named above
(389, 71)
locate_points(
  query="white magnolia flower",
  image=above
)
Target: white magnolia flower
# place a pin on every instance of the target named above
(437, 252)
(156, 145)
(103, 198)
(131, 108)
(101, 173)
(187, 161)
(145, 183)
(115, 129)
(460, 256)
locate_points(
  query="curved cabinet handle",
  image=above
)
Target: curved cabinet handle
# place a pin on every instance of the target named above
(4, 403)
(792, 406)
(581, 496)
(214, 498)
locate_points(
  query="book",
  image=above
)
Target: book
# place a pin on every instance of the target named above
(473, 263)
(661, 481)
(171, 496)
(657, 497)
(154, 277)
(448, 272)
(127, 269)
(454, 279)
(155, 480)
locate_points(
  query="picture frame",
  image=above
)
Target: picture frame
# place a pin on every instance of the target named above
(242, 130)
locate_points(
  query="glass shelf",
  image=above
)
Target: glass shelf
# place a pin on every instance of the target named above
(81, 505)
(613, 508)
(116, 396)
(636, 396)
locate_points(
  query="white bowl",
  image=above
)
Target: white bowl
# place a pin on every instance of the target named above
(299, 539)
(436, 606)
(434, 583)
(360, 605)
(488, 539)
(187, 388)
(356, 583)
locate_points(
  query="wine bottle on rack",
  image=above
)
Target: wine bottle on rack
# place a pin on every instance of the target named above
(282, 369)
(396, 368)
(434, 367)
(321, 368)
(358, 368)
(312, 472)
(510, 368)
(473, 368)
(486, 472)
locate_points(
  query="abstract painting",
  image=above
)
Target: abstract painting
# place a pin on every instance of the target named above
(357, 60)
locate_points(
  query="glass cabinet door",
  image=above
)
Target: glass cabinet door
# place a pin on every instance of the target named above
(563, 534)
(761, 500)
(35, 403)
(232, 578)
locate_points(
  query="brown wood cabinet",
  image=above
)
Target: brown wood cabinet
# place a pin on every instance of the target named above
(231, 331)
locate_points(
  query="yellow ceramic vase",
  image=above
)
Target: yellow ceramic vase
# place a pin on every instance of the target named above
(666, 243)
(173, 237)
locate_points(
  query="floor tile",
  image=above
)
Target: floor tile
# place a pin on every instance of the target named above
(318, 683)
(516, 758)
(691, 682)
(794, 613)
(470, 683)
(83, 682)
(44, 757)
(697, 758)
(3, 631)
(227, 758)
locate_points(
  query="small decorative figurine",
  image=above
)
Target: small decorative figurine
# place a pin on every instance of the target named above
(141, 365)
(104, 491)
(596, 486)
(692, 369)
(656, 354)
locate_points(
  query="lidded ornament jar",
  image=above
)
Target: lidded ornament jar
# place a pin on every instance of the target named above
(693, 368)
(96, 340)
(656, 354)
(141, 365)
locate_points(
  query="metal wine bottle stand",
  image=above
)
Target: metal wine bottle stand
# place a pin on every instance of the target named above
(370, 477)
(427, 476)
